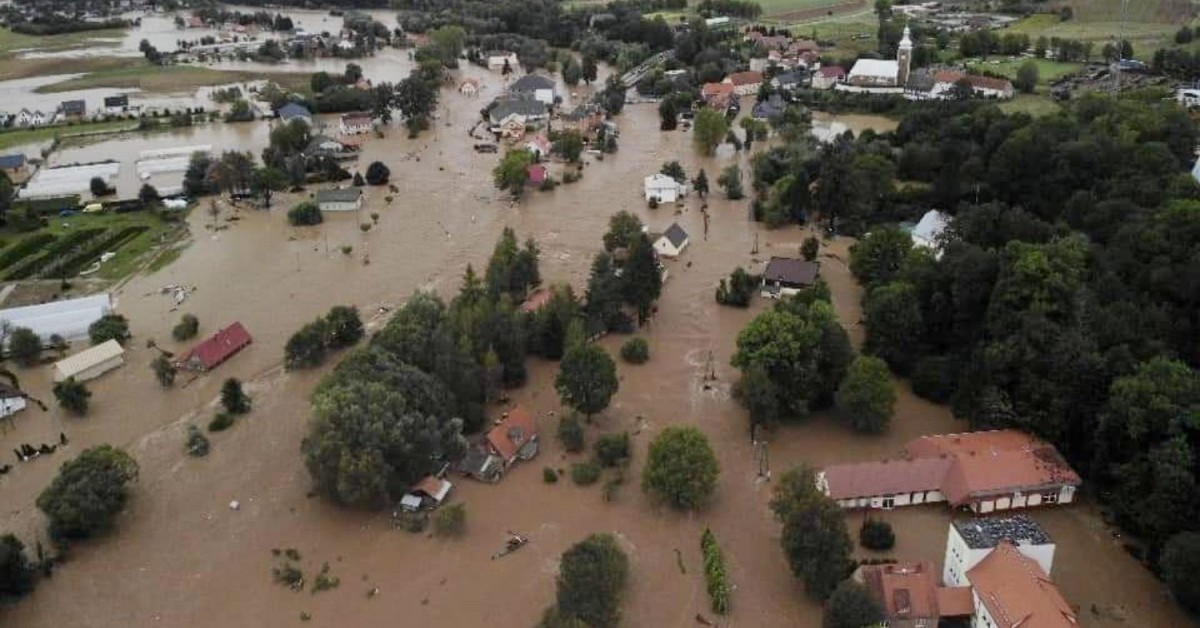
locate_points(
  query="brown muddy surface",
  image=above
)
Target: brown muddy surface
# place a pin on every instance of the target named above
(182, 558)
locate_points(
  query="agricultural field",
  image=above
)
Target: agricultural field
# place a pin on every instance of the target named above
(175, 78)
(21, 137)
(14, 67)
(1033, 104)
(1048, 70)
(68, 246)
(1151, 25)
(791, 10)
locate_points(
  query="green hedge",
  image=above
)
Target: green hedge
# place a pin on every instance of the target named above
(715, 572)
(26, 247)
(113, 241)
(52, 253)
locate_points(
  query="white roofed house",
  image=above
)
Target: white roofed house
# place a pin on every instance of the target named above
(91, 362)
(672, 242)
(343, 200)
(929, 231)
(664, 188)
(12, 400)
(497, 58)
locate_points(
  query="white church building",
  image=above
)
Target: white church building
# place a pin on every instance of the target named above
(882, 75)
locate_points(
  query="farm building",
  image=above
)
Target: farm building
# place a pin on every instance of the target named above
(343, 200)
(293, 111)
(357, 123)
(430, 492)
(672, 242)
(63, 180)
(514, 438)
(497, 58)
(663, 188)
(12, 400)
(785, 276)
(69, 319)
(91, 362)
(984, 471)
(216, 349)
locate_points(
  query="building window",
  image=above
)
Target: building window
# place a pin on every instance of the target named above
(889, 503)
(1049, 498)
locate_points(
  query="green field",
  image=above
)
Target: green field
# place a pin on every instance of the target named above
(1048, 71)
(1032, 104)
(10, 42)
(173, 78)
(131, 255)
(19, 137)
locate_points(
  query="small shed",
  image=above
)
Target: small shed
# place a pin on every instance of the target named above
(216, 349)
(343, 200)
(12, 400)
(430, 492)
(90, 363)
(672, 242)
(663, 188)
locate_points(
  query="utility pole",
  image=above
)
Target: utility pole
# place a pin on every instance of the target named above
(1120, 46)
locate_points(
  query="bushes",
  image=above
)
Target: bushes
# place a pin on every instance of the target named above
(221, 422)
(738, 290)
(1179, 561)
(164, 371)
(592, 576)
(635, 351)
(97, 246)
(613, 449)
(306, 213)
(810, 248)
(549, 475)
(715, 572)
(570, 432)
(935, 378)
(585, 473)
(109, 327)
(341, 327)
(233, 398)
(26, 247)
(25, 346)
(451, 520)
(876, 535)
(88, 492)
(378, 173)
(73, 396)
(17, 574)
(197, 444)
(186, 329)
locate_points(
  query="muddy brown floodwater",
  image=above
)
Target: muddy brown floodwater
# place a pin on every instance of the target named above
(180, 557)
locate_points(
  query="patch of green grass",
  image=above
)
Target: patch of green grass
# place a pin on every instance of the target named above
(851, 34)
(1035, 105)
(814, 7)
(1048, 70)
(129, 256)
(1146, 36)
(174, 78)
(11, 42)
(19, 137)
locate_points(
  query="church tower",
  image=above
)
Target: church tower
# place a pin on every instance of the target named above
(904, 58)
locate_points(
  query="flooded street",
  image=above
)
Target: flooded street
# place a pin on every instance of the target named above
(181, 558)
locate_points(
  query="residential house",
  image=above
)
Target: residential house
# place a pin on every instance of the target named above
(945, 82)
(1012, 591)
(770, 109)
(791, 80)
(496, 60)
(340, 200)
(538, 173)
(116, 105)
(325, 146)
(13, 164)
(719, 96)
(469, 87)
(527, 110)
(663, 188)
(539, 145)
(295, 111)
(828, 76)
(429, 493)
(983, 471)
(536, 86)
(27, 118)
(513, 439)
(785, 276)
(911, 596)
(215, 349)
(745, 83)
(357, 123)
(73, 109)
(91, 362)
(929, 231)
(12, 400)
(586, 119)
(672, 242)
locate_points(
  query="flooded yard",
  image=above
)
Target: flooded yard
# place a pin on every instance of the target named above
(182, 558)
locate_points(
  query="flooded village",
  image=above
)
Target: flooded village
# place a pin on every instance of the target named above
(199, 536)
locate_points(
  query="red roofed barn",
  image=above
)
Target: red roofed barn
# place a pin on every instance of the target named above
(216, 349)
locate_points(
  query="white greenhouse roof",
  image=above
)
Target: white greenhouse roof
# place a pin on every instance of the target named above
(72, 366)
(69, 319)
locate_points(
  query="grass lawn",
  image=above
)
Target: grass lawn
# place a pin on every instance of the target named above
(1048, 70)
(1146, 36)
(1032, 104)
(19, 137)
(11, 42)
(173, 78)
(780, 7)
(852, 34)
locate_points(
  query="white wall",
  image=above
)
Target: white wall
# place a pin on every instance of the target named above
(11, 405)
(960, 558)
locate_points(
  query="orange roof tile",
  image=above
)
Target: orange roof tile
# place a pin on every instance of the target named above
(955, 601)
(1016, 592)
(905, 590)
(887, 477)
(518, 428)
(745, 78)
(713, 89)
(994, 462)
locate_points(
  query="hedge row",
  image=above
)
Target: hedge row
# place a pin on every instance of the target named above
(53, 253)
(25, 248)
(71, 267)
(715, 573)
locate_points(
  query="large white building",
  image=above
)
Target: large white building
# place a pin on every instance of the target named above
(663, 188)
(91, 362)
(68, 319)
(869, 73)
(971, 540)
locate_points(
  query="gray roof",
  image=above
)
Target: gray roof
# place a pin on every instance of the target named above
(531, 82)
(74, 106)
(791, 272)
(795, 77)
(10, 162)
(771, 108)
(116, 101)
(676, 235)
(988, 532)
(527, 108)
(344, 195)
(293, 110)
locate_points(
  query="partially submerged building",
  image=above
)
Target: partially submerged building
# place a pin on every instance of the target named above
(342, 200)
(91, 362)
(12, 400)
(216, 349)
(513, 439)
(428, 493)
(786, 276)
(672, 242)
(663, 188)
(68, 319)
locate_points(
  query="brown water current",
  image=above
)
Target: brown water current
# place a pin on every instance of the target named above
(182, 558)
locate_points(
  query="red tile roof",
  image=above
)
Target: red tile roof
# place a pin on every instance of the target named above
(217, 348)
(744, 78)
(905, 590)
(888, 477)
(955, 601)
(714, 89)
(537, 174)
(832, 71)
(518, 428)
(1016, 592)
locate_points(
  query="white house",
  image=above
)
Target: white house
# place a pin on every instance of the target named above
(536, 86)
(664, 188)
(672, 242)
(745, 83)
(497, 58)
(539, 145)
(928, 232)
(91, 362)
(27, 118)
(343, 200)
(356, 123)
(12, 400)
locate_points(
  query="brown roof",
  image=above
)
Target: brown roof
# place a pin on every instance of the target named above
(744, 78)
(796, 272)
(1017, 592)
(955, 601)
(905, 590)
(995, 462)
(714, 89)
(832, 71)
(889, 477)
(518, 428)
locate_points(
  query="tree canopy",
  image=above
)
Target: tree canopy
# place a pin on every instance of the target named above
(88, 492)
(814, 538)
(866, 397)
(592, 577)
(587, 378)
(681, 468)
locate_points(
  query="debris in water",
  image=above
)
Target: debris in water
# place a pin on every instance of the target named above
(701, 619)
(235, 505)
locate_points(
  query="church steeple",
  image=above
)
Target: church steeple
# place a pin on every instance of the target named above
(904, 58)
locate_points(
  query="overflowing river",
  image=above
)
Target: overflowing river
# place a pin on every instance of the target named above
(182, 558)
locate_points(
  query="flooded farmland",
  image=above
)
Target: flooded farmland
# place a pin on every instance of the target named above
(182, 558)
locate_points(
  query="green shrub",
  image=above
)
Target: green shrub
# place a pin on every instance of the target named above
(109, 327)
(324, 581)
(549, 475)
(451, 520)
(635, 351)
(876, 535)
(570, 432)
(25, 346)
(186, 329)
(715, 572)
(222, 421)
(585, 473)
(613, 449)
(935, 378)
(197, 443)
(306, 213)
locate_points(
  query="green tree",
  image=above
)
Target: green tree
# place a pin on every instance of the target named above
(447, 43)
(164, 371)
(17, 575)
(306, 213)
(892, 316)
(810, 248)
(320, 81)
(148, 194)
(614, 449)
(589, 69)
(451, 520)
(879, 256)
(568, 145)
(681, 468)
(731, 180)
(570, 432)
(343, 326)
(99, 187)
(700, 183)
(266, 181)
(623, 229)
(587, 379)
(758, 394)
(233, 398)
(307, 347)
(814, 538)
(88, 492)
(378, 173)
(641, 277)
(674, 170)
(73, 396)
(1179, 561)
(1027, 76)
(512, 172)
(187, 328)
(851, 606)
(25, 346)
(417, 98)
(668, 115)
(866, 397)
(592, 577)
(572, 72)
(709, 130)
(109, 327)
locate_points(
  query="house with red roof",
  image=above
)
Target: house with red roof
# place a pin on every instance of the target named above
(745, 83)
(827, 76)
(215, 349)
(717, 95)
(513, 439)
(984, 471)
(911, 595)
(538, 174)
